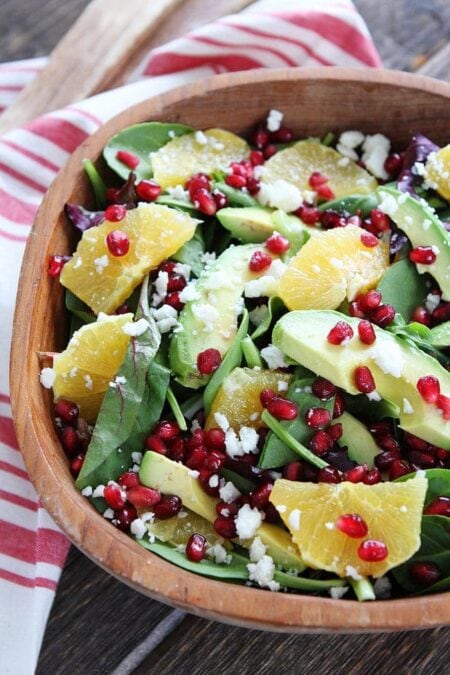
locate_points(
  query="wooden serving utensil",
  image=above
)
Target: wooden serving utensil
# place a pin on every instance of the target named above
(104, 46)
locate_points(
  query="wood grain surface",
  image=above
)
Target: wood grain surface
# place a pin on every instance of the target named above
(96, 620)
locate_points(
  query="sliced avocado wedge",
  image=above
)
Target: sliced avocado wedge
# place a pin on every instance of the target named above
(396, 367)
(171, 477)
(423, 228)
(357, 438)
(440, 335)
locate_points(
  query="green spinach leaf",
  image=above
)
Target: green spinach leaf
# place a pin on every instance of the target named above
(176, 410)
(251, 353)
(352, 204)
(440, 335)
(275, 307)
(97, 183)
(191, 253)
(77, 307)
(403, 287)
(372, 411)
(244, 485)
(235, 197)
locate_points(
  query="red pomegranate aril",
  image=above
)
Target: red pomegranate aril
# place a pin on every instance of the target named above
(266, 396)
(424, 460)
(370, 300)
(176, 282)
(316, 179)
(156, 444)
(383, 315)
(329, 474)
(204, 201)
(208, 361)
(256, 157)
(215, 439)
(277, 244)
(429, 388)
(260, 137)
(215, 460)
(353, 525)
(236, 181)
(282, 135)
(366, 332)
(128, 479)
(128, 158)
(369, 240)
(317, 418)
(380, 220)
(67, 411)
(325, 193)
(355, 475)
(225, 527)
(373, 550)
(115, 213)
(196, 182)
(371, 477)
(55, 265)
(387, 442)
(323, 389)
(196, 458)
(416, 443)
(309, 214)
(70, 440)
(168, 507)
(144, 497)
(340, 333)
(124, 517)
(227, 510)
(423, 255)
(253, 186)
(114, 496)
(438, 507)
(282, 409)
(177, 449)
(335, 431)
(399, 467)
(424, 573)
(393, 164)
(420, 315)
(443, 403)
(259, 261)
(260, 495)
(75, 465)
(320, 443)
(118, 243)
(380, 429)
(112, 195)
(173, 299)
(293, 471)
(331, 219)
(441, 313)
(196, 547)
(339, 405)
(271, 514)
(196, 440)
(355, 310)
(148, 190)
(384, 459)
(270, 150)
(363, 379)
(220, 199)
(166, 430)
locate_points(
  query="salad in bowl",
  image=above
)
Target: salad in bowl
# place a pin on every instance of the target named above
(256, 387)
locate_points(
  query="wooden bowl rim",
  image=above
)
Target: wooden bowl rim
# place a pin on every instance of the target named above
(120, 555)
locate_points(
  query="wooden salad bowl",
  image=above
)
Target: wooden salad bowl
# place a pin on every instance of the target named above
(314, 101)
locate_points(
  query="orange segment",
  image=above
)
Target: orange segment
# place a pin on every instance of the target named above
(437, 171)
(199, 152)
(296, 164)
(330, 267)
(392, 512)
(89, 362)
(238, 397)
(104, 281)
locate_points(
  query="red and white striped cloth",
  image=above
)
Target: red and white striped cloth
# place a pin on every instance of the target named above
(268, 34)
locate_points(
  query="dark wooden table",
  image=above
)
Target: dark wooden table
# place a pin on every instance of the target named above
(97, 622)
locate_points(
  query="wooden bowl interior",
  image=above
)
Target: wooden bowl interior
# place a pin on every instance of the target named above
(314, 101)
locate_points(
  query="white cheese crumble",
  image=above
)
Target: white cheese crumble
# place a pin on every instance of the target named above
(249, 439)
(258, 314)
(373, 396)
(136, 328)
(160, 284)
(101, 263)
(352, 572)
(108, 514)
(351, 138)
(189, 292)
(282, 385)
(194, 473)
(407, 407)
(348, 153)
(344, 161)
(432, 301)
(257, 550)
(138, 529)
(206, 314)
(294, 519)
(262, 573)
(183, 269)
(136, 457)
(164, 312)
(98, 491)
(247, 522)
(208, 258)
(337, 592)
(274, 119)
(375, 151)
(229, 493)
(274, 357)
(179, 193)
(47, 377)
(200, 138)
(214, 481)
(389, 358)
(280, 195)
(222, 421)
(389, 204)
(87, 491)
(281, 508)
(88, 383)
(220, 554)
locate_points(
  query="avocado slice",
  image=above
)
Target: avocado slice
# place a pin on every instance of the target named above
(423, 228)
(357, 438)
(440, 335)
(210, 319)
(171, 477)
(395, 365)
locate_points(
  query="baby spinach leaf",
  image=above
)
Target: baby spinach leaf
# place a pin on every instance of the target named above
(176, 410)
(98, 185)
(403, 287)
(78, 308)
(372, 411)
(141, 140)
(352, 204)
(167, 200)
(251, 353)
(418, 336)
(279, 449)
(275, 307)
(191, 253)
(243, 484)
(83, 219)
(235, 197)
(440, 335)
(232, 360)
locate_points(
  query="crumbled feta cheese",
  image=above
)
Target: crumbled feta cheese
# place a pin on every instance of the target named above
(329, 525)
(280, 195)
(88, 383)
(281, 508)
(436, 250)
(344, 161)
(388, 204)
(183, 269)
(136, 457)
(382, 588)
(193, 473)
(232, 445)
(206, 314)
(220, 554)
(247, 522)
(229, 493)
(348, 153)
(47, 377)
(179, 193)
(403, 508)
(208, 257)
(262, 287)
(160, 284)
(138, 529)
(222, 421)
(87, 491)
(352, 572)
(262, 573)
(373, 396)
(166, 325)
(337, 592)
(407, 407)
(274, 119)
(98, 491)
(351, 138)
(432, 301)
(200, 138)
(257, 550)
(148, 517)
(164, 312)
(136, 328)
(282, 385)
(274, 357)
(189, 292)
(108, 514)
(277, 268)
(294, 519)
(249, 439)
(375, 151)
(389, 358)
(101, 263)
(214, 481)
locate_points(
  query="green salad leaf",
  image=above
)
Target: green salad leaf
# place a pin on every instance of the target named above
(403, 287)
(352, 204)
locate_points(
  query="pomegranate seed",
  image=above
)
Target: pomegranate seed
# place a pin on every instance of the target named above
(253, 186)
(423, 255)
(115, 213)
(197, 182)
(123, 518)
(372, 477)
(204, 202)
(399, 467)
(363, 379)
(355, 310)
(215, 460)
(380, 429)
(75, 465)
(220, 199)
(393, 163)
(166, 430)
(260, 137)
(388, 442)
(369, 301)
(168, 507)
(293, 471)
(112, 195)
(309, 214)
(114, 496)
(227, 510)
(196, 547)
(355, 220)
(339, 405)
(282, 135)
(323, 389)
(331, 219)
(384, 459)
(320, 443)
(236, 181)
(167, 266)
(380, 220)
(266, 396)
(256, 157)
(67, 411)
(317, 418)
(372, 550)
(208, 361)
(277, 244)
(144, 497)
(352, 525)
(438, 507)
(369, 240)
(128, 479)
(173, 299)
(429, 388)
(383, 315)
(366, 332)
(424, 573)
(316, 179)
(325, 192)
(355, 475)
(329, 474)
(416, 443)
(282, 409)
(421, 315)
(443, 403)
(70, 440)
(177, 450)
(335, 431)
(55, 265)
(441, 313)
(176, 282)
(197, 439)
(196, 458)
(155, 444)
(148, 190)
(127, 158)
(118, 243)
(259, 261)
(423, 460)
(215, 439)
(270, 150)
(341, 332)
(260, 496)
(225, 527)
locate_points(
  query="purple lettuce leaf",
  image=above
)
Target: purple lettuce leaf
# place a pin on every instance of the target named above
(82, 218)
(417, 151)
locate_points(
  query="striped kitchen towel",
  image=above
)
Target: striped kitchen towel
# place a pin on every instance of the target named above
(268, 34)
